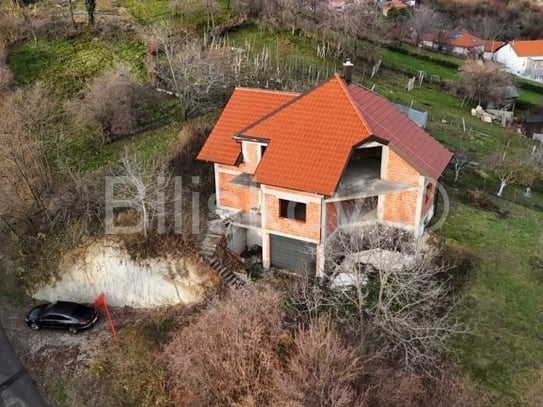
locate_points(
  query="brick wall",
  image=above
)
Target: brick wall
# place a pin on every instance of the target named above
(310, 229)
(251, 159)
(331, 218)
(399, 170)
(401, 207)
(234, 196)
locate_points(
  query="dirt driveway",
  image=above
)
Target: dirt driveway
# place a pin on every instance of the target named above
(49, 354)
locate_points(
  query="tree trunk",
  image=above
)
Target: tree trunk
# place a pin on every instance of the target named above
(457, 170)
(70, 3)
(503, 183)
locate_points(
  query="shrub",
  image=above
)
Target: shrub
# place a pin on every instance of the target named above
(6, 77)
(481, 200)
(393, 387)
(11, 28)
(231, 354)
(111, 105)
(130, 375)
(321, 371)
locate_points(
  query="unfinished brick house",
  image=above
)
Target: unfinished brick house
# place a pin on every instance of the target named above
(291, 169)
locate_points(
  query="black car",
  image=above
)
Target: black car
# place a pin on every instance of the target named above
(61, 315)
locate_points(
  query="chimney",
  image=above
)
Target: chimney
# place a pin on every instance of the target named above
(348, 71)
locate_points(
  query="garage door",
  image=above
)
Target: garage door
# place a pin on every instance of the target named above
(292, 254)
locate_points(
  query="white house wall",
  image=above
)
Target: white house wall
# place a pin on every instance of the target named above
(507, 56)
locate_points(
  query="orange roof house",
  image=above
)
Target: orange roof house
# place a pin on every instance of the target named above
(455, 42)
(522, 58)
(292, 169)
(491, 46)
(533, 48)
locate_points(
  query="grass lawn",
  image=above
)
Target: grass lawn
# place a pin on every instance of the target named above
(86, 154)
(147, 10)
(192, 17)
(65, 66)
(412, 65)
(530, 97)
(503, 303)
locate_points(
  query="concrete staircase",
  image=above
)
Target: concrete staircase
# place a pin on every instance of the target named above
(216, 230)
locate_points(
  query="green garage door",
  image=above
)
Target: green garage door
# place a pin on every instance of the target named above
(292, 254)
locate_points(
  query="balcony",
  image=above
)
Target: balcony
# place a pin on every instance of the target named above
(251, 219)
(361, 179)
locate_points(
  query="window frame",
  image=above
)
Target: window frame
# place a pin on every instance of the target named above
(297, 209)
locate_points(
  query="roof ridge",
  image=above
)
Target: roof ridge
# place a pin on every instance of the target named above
(260, 90)
(355, 105)
(277, 110)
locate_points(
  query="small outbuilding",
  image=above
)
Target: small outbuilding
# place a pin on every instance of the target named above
(533, 127)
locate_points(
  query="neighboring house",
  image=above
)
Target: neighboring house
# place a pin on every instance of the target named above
(292, 169)
(522, 58)
(490, 48)
(533, 127)
(454, 42)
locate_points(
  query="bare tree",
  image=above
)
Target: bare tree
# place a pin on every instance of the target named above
(109, 105)
(425, 20)
(90, 5)
(240, 352)
(347, 30)
(395, 297)
(190, 9)
(229, 356)
(483, 82)
(257, 9)
(201, 77)
(512, 166)
(461, 161)
(322, 371)
(27, 120)
(12, 27)
(291, 14)
(142, 187)
(487, 27)
(6, 77)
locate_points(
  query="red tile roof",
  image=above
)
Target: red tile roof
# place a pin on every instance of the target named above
(528, 48)
(311, 139)
(493, 45)
(464, 40)
(244, 107)
(311, 136)
(411, 142)
(459, 39)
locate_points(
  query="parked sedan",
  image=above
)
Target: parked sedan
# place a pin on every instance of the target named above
(61, 315)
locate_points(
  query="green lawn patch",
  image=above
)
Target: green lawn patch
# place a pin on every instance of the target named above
(152, 11)
(66, 65)
(503, 304)
(281, 45)
(86, 153)
(147, 10)
(529, 98)
(411, 65)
